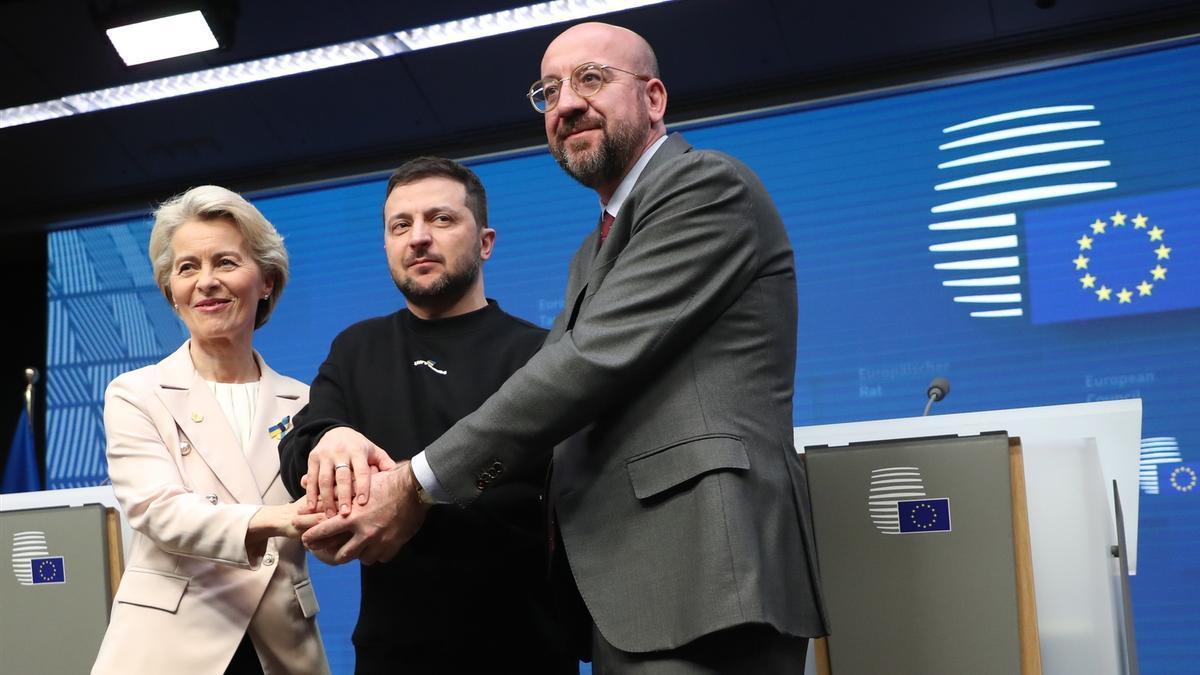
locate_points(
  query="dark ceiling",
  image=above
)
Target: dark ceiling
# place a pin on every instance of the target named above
(715, 56)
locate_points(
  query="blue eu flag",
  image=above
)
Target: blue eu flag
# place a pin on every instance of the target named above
(21, 469)
(1114, 258)
(1181, 478)
(924, 515)
(49, 570)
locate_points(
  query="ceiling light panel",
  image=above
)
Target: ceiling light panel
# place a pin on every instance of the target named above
(377, 47)
(163, 38)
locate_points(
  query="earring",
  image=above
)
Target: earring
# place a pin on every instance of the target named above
(177, 307)
(267, 296)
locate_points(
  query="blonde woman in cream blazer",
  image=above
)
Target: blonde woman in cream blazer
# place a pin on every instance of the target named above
(216, 581)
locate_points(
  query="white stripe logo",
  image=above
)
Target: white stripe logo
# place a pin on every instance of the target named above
(888, 486)
(25, 547)
(999, 293)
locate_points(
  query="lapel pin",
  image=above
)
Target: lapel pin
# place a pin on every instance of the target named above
(284, 426)
(197, 417)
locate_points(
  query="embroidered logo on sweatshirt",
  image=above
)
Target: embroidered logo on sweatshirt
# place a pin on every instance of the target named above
(432, 365)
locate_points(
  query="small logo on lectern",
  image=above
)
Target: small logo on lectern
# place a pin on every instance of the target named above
(32, 563)
(889, 485)
(924, 515)
(897, 503)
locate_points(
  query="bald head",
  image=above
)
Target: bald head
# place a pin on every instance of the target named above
(619, 46)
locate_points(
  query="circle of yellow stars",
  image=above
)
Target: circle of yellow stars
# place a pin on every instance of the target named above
(1098, 229)
(1181, 472)
(932, 514)
(43, 573)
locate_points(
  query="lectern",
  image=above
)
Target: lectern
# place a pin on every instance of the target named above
(65, 548)
(977, 542)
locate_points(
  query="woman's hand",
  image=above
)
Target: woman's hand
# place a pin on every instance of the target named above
(281, 520)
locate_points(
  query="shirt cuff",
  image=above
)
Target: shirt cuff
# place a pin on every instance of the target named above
(428, 481)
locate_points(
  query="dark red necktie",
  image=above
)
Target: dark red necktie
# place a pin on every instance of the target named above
(606, 222)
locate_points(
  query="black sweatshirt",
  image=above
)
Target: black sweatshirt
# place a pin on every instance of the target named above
(469, 592)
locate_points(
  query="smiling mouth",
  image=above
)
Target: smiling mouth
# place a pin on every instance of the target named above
(575, 132)
(213, 303)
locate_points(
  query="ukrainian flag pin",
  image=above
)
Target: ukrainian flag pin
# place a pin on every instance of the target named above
(278, 430)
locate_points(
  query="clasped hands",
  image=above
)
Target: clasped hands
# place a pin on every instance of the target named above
(365, 504)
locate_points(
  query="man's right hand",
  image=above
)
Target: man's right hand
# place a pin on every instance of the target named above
(339, 471)
(375, 532)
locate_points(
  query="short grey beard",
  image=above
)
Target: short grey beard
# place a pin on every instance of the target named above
(604, 165)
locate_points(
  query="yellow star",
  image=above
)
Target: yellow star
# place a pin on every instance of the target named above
(1144, 288)
(1085, 242)
(1081, 262)
(1088, 281)
(1156, 233)
(1139, 222)
(1163, 251)
(1125, 296)
(1159, 272)
(1105, 293)
(1098, 226)
(1118, 218)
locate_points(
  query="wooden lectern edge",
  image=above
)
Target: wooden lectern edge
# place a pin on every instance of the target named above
(821, 651)
(116, 558)
(1027, 625)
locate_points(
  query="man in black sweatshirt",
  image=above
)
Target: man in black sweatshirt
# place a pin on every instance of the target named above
(392, 385)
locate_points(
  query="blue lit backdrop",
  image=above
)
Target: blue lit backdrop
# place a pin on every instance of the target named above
(1034, 237)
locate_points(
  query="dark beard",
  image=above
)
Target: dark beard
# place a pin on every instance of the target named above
(609, 161)
(448, 289)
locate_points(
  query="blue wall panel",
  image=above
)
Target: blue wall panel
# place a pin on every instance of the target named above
(885, 200)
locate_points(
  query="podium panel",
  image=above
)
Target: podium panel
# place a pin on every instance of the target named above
(1072, 455)
(916, 547)
(1115, 426)
(56, 592)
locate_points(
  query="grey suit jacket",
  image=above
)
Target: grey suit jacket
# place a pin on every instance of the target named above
(682, 503)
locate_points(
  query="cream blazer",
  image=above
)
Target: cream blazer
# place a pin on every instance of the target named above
(190, 589)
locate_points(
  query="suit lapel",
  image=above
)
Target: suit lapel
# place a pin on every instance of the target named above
(594, 259)
(618, 236)
(581, 268)
(277, 398)
(198, 415)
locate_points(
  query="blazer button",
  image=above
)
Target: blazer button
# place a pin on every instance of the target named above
(498, 468)
(212, 498)
(481, 484)
(185, 448)
(269, 559)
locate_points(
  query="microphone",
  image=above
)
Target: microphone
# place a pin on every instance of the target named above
(938, 389)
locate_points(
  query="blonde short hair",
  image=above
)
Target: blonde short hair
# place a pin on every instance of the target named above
(211, 202)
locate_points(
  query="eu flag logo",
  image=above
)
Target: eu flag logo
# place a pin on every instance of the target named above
(924, 515)
(1178, 478)
(1114, 258)
(49, 570)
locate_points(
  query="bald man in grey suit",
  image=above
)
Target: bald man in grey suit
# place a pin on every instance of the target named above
(667, 383)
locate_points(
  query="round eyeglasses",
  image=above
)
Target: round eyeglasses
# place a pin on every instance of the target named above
(586, 80)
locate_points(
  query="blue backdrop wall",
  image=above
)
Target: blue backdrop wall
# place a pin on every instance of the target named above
(1034, 236)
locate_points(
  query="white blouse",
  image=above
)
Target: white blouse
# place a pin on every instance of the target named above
(238, 401)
